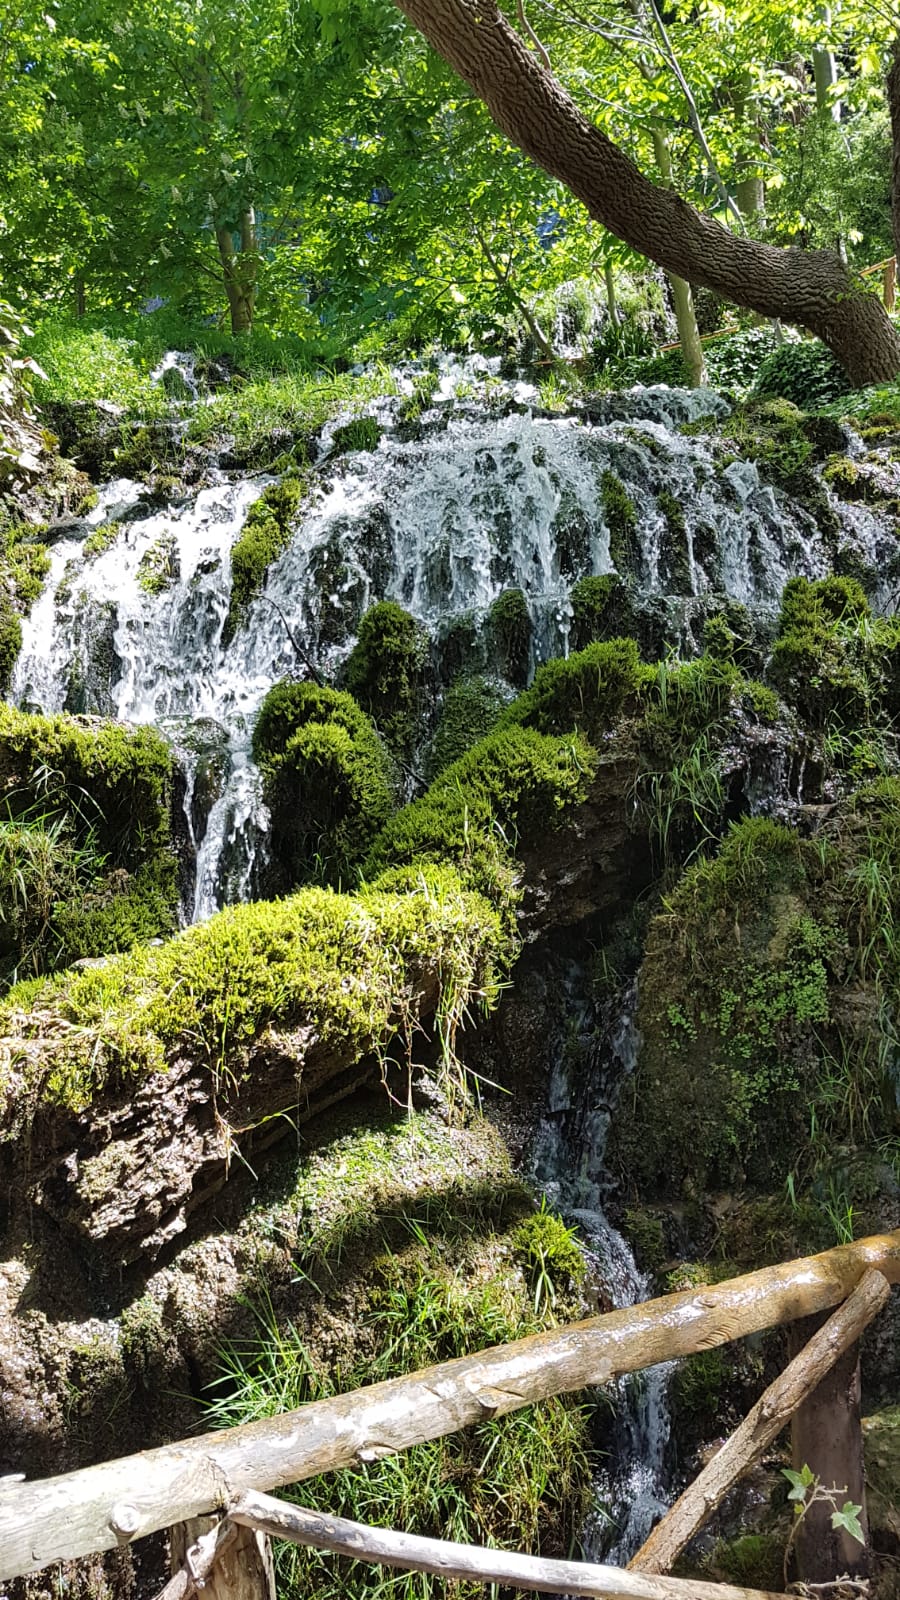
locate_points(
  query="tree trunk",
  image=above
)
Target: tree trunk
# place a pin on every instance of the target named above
(609, 279)
(240, 270)
(685, 315)
(893, 94)
(826, 1435)
(243, 1568)
(812, 288)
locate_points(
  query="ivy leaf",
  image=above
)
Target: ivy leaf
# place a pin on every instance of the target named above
(848, 1519)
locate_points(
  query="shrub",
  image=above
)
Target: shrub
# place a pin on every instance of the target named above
(806, 373)
(385, 672)
(326, 780)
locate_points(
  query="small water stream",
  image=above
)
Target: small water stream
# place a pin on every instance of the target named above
(587, 1075)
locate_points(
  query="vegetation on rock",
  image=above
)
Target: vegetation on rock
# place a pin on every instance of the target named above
(266, 535)
(385, 673)
(327, 780)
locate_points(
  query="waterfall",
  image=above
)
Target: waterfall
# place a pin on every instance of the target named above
(491, 493)
(587, 1076)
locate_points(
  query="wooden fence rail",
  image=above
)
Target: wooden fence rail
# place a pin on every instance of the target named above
(82, 1513)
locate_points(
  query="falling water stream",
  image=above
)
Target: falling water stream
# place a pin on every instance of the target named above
(491, 493)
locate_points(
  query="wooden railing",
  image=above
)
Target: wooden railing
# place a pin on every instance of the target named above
(222, 1474)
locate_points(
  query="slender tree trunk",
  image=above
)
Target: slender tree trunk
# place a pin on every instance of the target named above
(893, 93)
(240, 271)
(685, 315)
(751, 196)
(80, 303)
(826, 74)
(812, 288)
(609, 279)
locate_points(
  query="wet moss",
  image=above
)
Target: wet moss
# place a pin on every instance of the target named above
(676, 561)
(363, 433)
(470, 710)
(158, 568)
(620, 514)
(832, 659)
(510, 628)
(601, 609)
(385, 673)
(337, 965)
(24, 564)
(327, 781)
(266, 535)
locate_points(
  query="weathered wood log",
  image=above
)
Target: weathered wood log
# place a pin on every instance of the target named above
(79, 1513)
(826, 1435)
(195, 1548)
(459, 1562)
(762, 1424)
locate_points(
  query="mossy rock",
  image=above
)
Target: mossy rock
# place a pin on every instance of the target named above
(363, 433)
(24, 564)
(831, 659)
(588, 691)
(602, 608)
(265, 536)
(327, 780)
(385, 673)
(470, 710)
(158, 568)
(511, 629)
(675, 561)
(620, 514)
(509, 789)
(461, 647)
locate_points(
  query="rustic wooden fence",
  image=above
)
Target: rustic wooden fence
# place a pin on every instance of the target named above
(210, 1490)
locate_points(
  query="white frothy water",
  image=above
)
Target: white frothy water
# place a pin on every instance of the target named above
(132, 625)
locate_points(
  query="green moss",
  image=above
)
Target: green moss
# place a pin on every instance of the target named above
(363, 433)
(24, 564)
(588, 691)
(753, 1561)
(510, 628)
(461, 647)
(339, 966)
(266, 535)
(508, 790)
(113, 782)
(696, 1392)
(598, 605)
(385, 673)
(621, 519)
(832, 660)
(676, 556)
(158, 568)
(761, 1006)
(326, 778)
(550, 1255)
(646, 1235)
(470, 710)
(10, 640)
(101, 539)
(116, 912)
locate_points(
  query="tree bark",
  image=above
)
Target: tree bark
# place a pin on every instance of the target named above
(826, 1435)
(762, 1425)
(893, 94)
(812, 288)
(98, 1508)
(240, 270)
(468, 1562)
(685, 315)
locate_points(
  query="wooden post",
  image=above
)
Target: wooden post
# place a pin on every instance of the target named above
(890, 283)
(97, 1508)
(227, 1560)
(460, 1562)
(761, 1425)
(826, 1436)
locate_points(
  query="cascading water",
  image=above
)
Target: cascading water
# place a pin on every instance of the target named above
(490, 494)
(586, 1079)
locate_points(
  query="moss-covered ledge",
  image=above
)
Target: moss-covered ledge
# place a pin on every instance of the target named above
(143, 1077)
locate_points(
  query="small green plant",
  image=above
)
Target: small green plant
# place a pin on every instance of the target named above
(806, 1491)
(363, 433)
(551, 1256)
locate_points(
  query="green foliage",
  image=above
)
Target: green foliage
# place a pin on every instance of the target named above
(550, 1254)
(620, 514)
(733, 362)
(88, 364)
(326, 779)
(470, 710)
(385, 673)
(266, 534)
(338, 965)
(596, 607)
(521, 1481)
(588, 691)
(510, 628)
(832, 660)
(805, 373)
(363, 433)
(499, 797)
